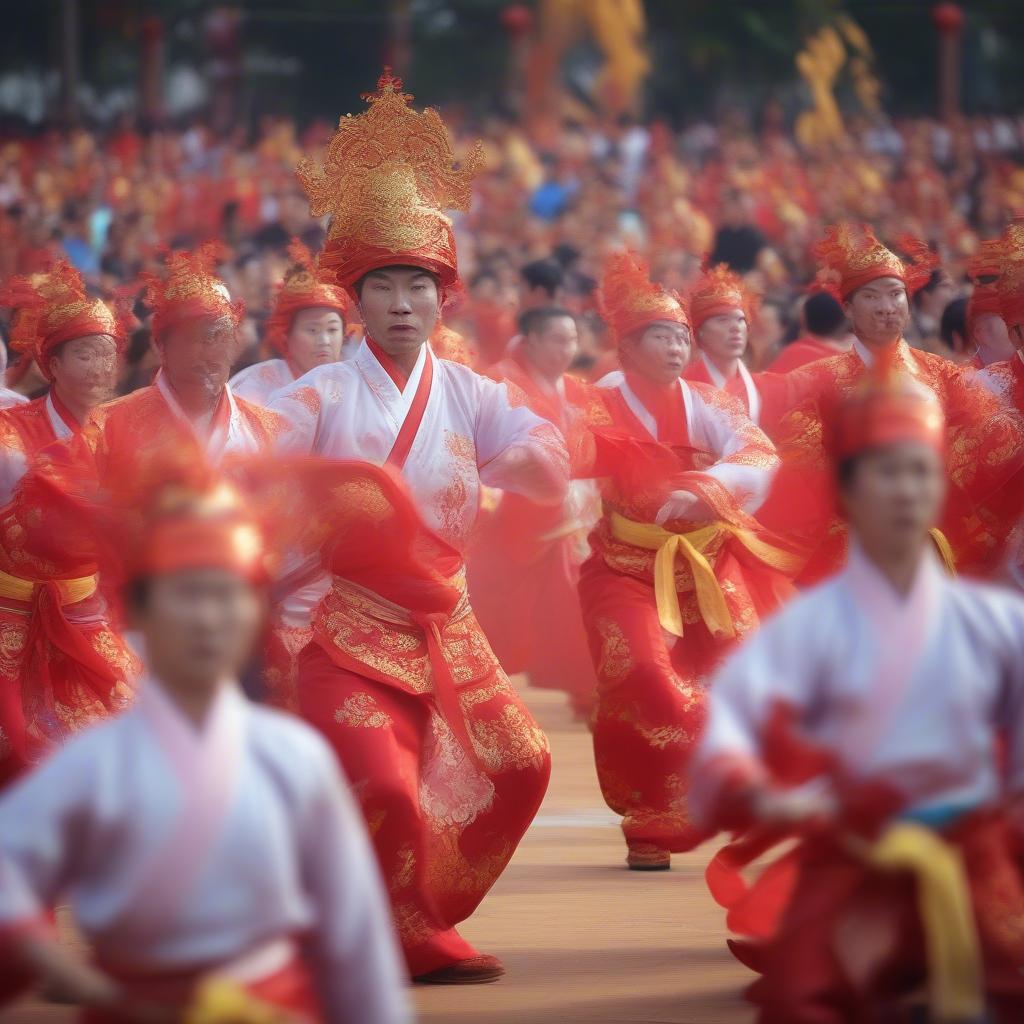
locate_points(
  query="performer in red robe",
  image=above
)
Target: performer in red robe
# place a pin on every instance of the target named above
(721, 308)
(986, 441)
(680, 570)
(826, 333)
(525, 558)
(879, 719)
(448, 764)
(75, 340)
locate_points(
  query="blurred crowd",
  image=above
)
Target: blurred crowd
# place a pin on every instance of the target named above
(547, 210)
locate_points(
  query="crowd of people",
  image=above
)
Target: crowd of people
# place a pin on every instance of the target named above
(658, 420)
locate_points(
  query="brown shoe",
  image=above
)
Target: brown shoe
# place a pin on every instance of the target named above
(477, 970)
(648, 857)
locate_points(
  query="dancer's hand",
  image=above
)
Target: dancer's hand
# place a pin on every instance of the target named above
(683, 505)
(804, 806)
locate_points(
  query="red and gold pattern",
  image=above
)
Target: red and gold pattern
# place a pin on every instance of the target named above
(387, 177)
(984, 458)
(851, 256)
(651, 697)
(189, 290)
(983, 269)
(53, 307)
(305, 286)
(887, 408)
(448, 344)
(1008, 253)
(629, 301)
(719, 290)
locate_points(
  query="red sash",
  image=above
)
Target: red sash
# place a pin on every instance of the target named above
(413, 418)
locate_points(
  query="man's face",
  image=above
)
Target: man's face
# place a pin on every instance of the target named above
(85, 370)
(895, 495)
(724, 336)
(661, 352)
(400, 307)
(989, 331)
(197, 355)
(879, 311)
(552, 349)
(200, 624)
(315, 338)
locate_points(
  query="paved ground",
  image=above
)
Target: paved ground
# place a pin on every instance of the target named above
(583, 938)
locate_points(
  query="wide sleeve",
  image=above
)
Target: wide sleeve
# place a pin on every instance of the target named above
(353, 945)
(746, 460)
(516, 449)
(299, 405)
(13, 458)
(773, 670)
(44, 820)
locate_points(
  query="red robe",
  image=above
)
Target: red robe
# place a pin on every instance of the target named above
(524, 566)
(699, 372)
(56, 623)
(448, 765)
(799, 353)
(985, 459)
(650, 697)
(45, 630)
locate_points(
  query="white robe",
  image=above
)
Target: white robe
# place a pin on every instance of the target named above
(258, 382)
(911, 690)
(354, 410)
(179, 847)
(9, 398)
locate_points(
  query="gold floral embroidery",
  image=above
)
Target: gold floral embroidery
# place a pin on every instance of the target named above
(361, 711)
(616, 660)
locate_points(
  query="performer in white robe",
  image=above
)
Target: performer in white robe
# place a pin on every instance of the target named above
(448, 763)
(196, 836)
(876, 703)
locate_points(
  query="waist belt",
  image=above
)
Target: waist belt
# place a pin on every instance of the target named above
(692, 546)
(14, 588)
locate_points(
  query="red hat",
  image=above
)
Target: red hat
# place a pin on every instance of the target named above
(190, 290)
(889, 407)
(305, 286)
(1009, 254)
(851, 257)
(629, 300)
(718, 290)
(191, 518)
(387, 177)
(983, 269)
(53, 307)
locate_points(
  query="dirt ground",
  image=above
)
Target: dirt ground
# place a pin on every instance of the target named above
(583, 939)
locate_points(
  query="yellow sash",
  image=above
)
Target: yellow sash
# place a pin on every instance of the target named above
(14, 588)
(692, 546)
(944, 902)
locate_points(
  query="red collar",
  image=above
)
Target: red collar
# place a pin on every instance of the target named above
(393, 370)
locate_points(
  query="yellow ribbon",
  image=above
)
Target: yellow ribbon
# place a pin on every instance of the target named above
(693, 546)
(945, 551)
(956, 988)
(222, 1001)
(14, 588)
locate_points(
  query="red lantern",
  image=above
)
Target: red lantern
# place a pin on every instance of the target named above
(948, 18)
(517, 20)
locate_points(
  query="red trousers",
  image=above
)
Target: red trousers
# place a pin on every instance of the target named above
(651, 688)
(841, 913)
(444, 824)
